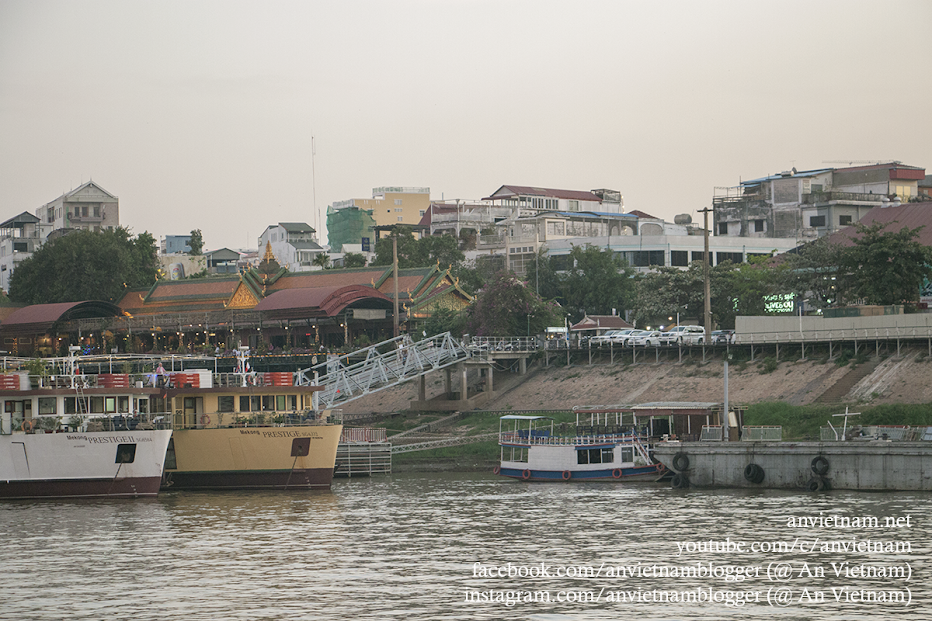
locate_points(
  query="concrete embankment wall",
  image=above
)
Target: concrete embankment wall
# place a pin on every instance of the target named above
(816, 327)
(857, 465)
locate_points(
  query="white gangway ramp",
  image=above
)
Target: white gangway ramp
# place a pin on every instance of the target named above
(383, 365)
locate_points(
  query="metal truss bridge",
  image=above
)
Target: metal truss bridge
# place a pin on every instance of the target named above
(380, 366)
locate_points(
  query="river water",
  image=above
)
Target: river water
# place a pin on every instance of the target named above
(470, 546)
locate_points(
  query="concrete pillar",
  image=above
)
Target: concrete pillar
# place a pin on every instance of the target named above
(464, 394)
(488, 380)
(422, 388)
(522, 366)
(447, 381)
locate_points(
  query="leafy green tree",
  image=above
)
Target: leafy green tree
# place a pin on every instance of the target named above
(430, 249)
(506, 306)
(542, 275)
(596, 281)
(811, 272)
(322, 260)
(354, 259)
(86, 265)
(444, 320)
(884, 266)
(196, 242)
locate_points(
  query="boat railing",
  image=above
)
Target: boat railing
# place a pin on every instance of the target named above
(193, 378)
(267, 418)
(512, 437)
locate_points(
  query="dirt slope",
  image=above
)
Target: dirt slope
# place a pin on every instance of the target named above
(895, 380)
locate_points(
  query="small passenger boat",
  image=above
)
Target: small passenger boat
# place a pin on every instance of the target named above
(532, 451)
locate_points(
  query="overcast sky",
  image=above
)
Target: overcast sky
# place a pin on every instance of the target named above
(201, 114)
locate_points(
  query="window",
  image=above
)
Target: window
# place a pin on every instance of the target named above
(698, 255)
(758, 226)
(422, 212)
(401, 218)
(723, 228)
(679, 258)
(734, 257)
(817, 221)
(573, 205)
(627, 454)
(225, 403)
(46, 405)
(399, 210)
(844, 220)
(646, 258)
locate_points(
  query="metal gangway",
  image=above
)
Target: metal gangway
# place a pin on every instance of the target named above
(383, 365)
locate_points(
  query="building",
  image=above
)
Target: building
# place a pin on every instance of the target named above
(530, 200)
(89, 207)
(353, 221)
(175, 244)
(20, 236)
(812, 203)
(294, 245)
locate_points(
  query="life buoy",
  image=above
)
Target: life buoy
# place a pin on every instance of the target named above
(496, 470)
(819, 465)
(681, 461)
(567, 475)
(205, 419)
(28, 426)
(526, 475)
(616, 473)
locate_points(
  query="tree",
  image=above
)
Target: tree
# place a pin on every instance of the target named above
(508, 307)
(354, 259)
(596, 281)
(811, 272)
(542, 275)
(884, 267)
(322, 260)
(196, 242)
(86, 265)
(428, 250)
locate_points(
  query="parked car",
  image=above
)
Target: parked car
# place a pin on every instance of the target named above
(615, 337)
(684, 335)
(723, 336)
(646, 338)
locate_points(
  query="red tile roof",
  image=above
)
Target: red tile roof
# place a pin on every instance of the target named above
(912, 215)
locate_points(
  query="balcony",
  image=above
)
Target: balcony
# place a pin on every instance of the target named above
(816, 198)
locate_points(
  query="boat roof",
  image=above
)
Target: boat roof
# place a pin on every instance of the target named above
(520, 417)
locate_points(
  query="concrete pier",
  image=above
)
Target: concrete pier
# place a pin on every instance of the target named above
(874, 465)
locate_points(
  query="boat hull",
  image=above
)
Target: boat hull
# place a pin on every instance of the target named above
(82, 465)
(814, 466)
(253, 458)
(618, 475)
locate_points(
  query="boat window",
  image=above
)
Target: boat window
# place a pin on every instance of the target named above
(123, 404)
(255, 404)
(595, 456)
(608, 455)
(582, 457)
(280, 403)
(109, 405)
(126, 453)
(244, 404)
(268, 403)
(158, 405)
(627, 454)
(47, 405)
(142, 406)
(71, 405)
(97, 405)
(292, 402)
(225, 403)
(519, 454)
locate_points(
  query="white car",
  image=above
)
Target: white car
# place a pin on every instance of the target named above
(645, 338)
(684, 335)
(612, 336)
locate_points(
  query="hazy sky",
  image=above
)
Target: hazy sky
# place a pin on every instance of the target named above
(200, 114)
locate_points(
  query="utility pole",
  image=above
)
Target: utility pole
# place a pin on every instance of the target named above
(395, 278)
(705, 276)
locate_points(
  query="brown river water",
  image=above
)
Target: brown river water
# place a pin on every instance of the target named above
(472, 546)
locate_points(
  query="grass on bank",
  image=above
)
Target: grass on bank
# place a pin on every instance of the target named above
(803, 422)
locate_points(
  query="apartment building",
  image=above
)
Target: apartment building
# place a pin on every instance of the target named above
(88, 207)
(353, 221)
(294, 245)
(20, 236)
(811, 203)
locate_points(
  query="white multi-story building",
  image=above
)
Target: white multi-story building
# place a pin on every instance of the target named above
(294, 245)
(88, 207)
(19, 238)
